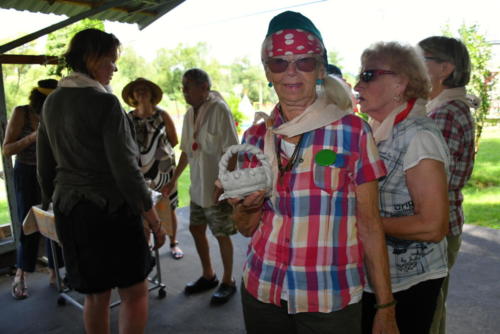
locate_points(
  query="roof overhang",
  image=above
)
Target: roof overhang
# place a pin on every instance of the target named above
(141, 12)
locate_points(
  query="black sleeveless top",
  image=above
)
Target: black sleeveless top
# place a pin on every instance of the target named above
(28, 155)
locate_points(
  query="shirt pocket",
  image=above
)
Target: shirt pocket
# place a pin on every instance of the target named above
(336, 176)
(210, 145)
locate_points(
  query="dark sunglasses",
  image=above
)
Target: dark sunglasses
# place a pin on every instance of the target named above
(369, 75)
(278, 65)
(436, 59)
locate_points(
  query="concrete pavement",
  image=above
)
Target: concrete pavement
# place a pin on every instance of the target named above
(473, 303)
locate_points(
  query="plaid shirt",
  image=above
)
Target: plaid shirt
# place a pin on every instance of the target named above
(309, 233)
(457, 126)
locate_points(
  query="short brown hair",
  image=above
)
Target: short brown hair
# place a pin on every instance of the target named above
(406, 61)
(452, 50)
(87, 44)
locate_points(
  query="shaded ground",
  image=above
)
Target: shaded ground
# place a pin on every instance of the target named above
(474, 300)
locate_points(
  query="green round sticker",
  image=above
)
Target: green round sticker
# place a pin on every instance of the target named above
(325, 157)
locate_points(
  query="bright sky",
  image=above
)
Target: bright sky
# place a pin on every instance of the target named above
(235, 28)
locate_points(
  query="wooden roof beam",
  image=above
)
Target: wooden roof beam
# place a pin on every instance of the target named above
(29, 59)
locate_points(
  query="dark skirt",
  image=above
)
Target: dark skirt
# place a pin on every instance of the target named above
(102, 250)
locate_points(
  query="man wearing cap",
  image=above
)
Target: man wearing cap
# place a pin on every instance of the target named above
(207, 131)
(318, 234)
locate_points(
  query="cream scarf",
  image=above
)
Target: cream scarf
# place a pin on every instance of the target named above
(81, 80)
(450, 94)
(321, 113)
(382, 130)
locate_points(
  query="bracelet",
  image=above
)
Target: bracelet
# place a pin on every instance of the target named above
(381, 306)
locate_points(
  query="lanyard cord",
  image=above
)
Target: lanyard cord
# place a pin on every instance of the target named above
(293, 159)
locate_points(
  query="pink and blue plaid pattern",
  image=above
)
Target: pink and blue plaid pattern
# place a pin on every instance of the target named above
(309, 233)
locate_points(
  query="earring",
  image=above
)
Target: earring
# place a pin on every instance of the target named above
(269, 84)
(320, 81)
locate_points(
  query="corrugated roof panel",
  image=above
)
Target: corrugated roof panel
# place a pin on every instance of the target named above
(142, 12)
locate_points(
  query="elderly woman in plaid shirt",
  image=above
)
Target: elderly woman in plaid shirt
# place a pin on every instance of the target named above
(393, 88)
(448, 65)
(310, 240)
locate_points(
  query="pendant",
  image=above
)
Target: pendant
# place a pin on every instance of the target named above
(195, 146)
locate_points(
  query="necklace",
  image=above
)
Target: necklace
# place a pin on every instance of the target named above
(291, 162)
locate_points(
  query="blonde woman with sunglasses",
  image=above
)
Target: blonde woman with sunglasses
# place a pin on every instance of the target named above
(311, 237)
(393, 88)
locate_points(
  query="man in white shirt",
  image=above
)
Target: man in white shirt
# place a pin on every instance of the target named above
(208, 130)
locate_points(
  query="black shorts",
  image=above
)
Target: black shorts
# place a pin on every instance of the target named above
(102, 250)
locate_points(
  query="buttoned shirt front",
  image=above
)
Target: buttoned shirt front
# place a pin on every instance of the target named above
(309, 233)
(215, 135)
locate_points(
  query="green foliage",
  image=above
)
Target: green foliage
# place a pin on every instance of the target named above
(482, 79)
(19, 79)
(334, 59)
(57, 41)
(170, 65)
(4, 212)
(249, 79)
(234, 101)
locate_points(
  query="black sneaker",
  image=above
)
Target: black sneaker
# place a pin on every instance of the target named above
(202, 284)
(223, 293)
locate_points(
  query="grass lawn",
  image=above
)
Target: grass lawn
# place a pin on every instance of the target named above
(482, 193)
(4, 212)
(183, 188)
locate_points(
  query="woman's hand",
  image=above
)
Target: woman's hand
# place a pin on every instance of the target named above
(167, 189)
(159, 235)
(154, 224)
(218, 191)
(248, 211)
(385, 322)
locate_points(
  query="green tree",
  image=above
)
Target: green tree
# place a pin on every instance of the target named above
(170, 65)
(334, 59)
(249, 79)
(58, 41)
(19, 79)
(482, 79)
(130, 66)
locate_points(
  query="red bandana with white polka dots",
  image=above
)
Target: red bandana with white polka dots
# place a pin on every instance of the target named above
(292, 42)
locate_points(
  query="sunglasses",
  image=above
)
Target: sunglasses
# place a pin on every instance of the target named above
(436, 59)
(278, 65)
(369, 75)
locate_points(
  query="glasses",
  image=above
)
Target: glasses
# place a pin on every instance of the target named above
(369, 75)
(278, 65)
(436, 59)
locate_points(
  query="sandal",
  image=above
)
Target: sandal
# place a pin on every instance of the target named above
(19, 290)
(175, 251)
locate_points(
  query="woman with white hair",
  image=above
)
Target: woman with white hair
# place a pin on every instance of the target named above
(393, 87)
(310, 240)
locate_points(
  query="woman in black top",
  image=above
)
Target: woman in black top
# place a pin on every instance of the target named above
(87, 165)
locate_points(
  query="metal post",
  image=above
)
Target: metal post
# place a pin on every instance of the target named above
(8, 177)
